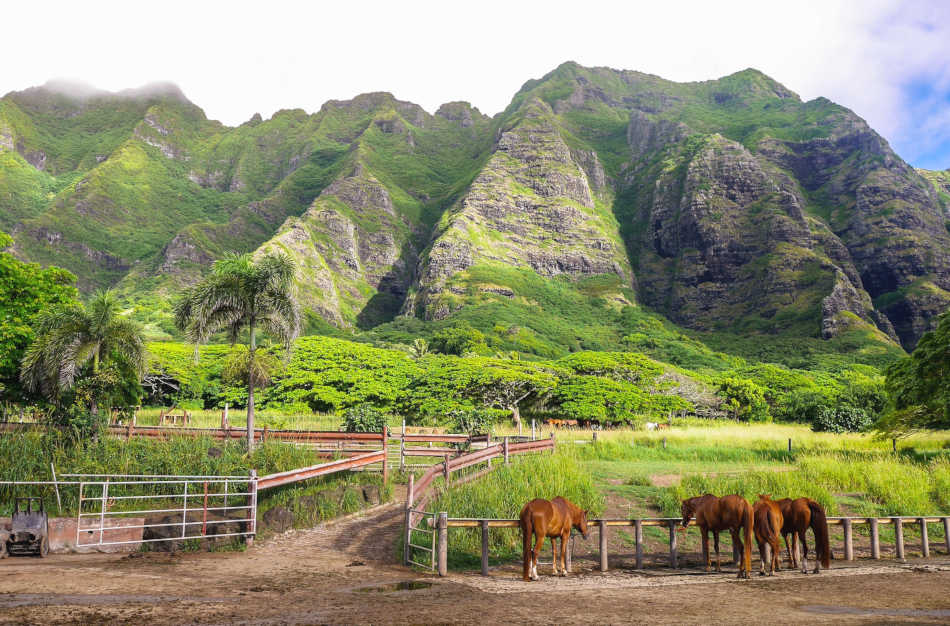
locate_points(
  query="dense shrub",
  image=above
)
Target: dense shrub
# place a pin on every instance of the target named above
(844, 418)
(363, 419)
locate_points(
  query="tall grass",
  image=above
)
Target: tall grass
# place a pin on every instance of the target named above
(503, 493)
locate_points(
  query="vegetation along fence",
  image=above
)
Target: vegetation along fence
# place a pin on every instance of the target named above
(420, 492)
(440, 524)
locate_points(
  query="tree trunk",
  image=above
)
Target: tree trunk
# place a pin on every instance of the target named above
(516, 417)
(250, 393)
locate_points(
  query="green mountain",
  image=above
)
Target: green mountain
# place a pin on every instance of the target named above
(729, 206)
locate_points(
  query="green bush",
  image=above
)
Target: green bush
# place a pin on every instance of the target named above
(364, 418)
(841, 419)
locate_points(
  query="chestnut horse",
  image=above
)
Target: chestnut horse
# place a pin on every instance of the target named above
(767, 526)
(800, 515)
(553, 519)
(732, 513)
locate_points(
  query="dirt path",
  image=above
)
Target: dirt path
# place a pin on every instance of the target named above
(346, 572)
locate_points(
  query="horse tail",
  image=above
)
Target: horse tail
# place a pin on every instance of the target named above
(527, 528)
(819, 525)
(749, 522)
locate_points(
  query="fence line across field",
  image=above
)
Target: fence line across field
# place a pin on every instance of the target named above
(441, 523)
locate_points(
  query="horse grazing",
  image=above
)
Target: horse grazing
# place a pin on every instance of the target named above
(767, 525)
(549, 518)
(798, 516)
(732, 513)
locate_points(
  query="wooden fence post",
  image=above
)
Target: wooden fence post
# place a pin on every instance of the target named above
(505, 447)
(899, 537)
(532, 430)
(553, 442)
(594, 436)
(402, 447)
(789, 444)
(848, 541)
(673, 555)
(385, 454)
(443, 543)
(445, 470)
(569, 552)
(603, 546)
(484, 524)
(924, 538)
(875, 539)
(946, 533)
(252, 510)
(638, 535)
(409, 490)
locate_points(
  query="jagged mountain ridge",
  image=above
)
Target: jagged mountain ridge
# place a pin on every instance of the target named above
(725, 205)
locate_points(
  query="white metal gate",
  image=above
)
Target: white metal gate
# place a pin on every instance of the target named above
(171, 508)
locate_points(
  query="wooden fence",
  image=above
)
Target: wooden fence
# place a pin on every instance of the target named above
(420, 491)
(442, 523)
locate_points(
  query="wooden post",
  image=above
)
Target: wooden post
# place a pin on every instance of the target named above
(409, 490)
(603, 546)
(569, 552)
(385, 454)
(848, 541)
(789, 444)
(673, 555)
(875, 539)
(532, 430)
(638, 536)
(484, 524)
(130, 430)
(894, 445)
(445, 470)
(924, 538)
(553, 442)
(252, 511)
(946, 533)
(664, 443)
(402, 447)
(204, 514)
(505, 447)
(594, 436)
(443, 543)
(899, 537)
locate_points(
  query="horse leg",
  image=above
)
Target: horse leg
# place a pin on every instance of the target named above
(788, 551)
(716, 544)
(706, 548)
(804, 553)
(557, 571)
(565, 546)
(537, 552)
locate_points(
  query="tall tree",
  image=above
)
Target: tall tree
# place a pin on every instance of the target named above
(73, 339)
(25, 290)
(919, 385)
(243, 293)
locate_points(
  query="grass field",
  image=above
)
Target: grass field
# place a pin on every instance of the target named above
(646, 474)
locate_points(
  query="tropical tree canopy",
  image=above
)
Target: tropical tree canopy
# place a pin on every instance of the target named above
(919, 385)
(73, 340)
(25, 290)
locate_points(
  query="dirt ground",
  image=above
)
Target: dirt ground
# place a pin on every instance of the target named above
(345, 572)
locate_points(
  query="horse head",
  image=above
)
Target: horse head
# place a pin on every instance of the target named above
(687, 511)
(581, 523)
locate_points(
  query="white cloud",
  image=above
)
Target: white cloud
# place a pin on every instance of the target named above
(238, 58)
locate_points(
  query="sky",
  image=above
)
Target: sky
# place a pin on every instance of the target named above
(888, 61)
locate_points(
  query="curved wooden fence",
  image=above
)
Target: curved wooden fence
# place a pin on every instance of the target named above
(421, 491)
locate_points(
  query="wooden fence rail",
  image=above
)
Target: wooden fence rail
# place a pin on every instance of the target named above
(442, 523)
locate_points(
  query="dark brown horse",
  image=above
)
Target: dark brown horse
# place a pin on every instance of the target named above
(798, 516)
(767, 525)
(732, 513)
(549, 518)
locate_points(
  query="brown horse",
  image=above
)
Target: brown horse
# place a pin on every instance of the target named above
(767, 526)
(732, 513)
(798, 516)
(553, 519)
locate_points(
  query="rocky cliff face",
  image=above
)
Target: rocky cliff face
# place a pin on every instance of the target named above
(725, 205)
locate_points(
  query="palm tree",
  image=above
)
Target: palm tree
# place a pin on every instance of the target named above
(243, 293)
(72, 336)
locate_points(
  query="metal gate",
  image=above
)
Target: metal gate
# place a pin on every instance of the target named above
(170, 508)
(420, 523)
